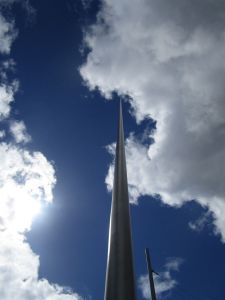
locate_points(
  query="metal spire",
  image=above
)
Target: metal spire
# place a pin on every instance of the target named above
(120, 283)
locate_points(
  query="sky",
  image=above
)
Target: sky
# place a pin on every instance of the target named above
(64, 65)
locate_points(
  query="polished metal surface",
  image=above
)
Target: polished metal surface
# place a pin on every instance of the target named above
(120, 283)
(150, 274)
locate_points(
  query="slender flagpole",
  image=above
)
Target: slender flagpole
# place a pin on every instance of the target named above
(150, 274)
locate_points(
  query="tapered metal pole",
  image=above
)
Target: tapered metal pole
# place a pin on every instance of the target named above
(120, 283)
(150, 274)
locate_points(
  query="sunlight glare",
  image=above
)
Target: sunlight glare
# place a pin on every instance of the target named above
(26, 210)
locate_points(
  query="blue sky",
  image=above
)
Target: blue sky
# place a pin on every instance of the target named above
(64, 65)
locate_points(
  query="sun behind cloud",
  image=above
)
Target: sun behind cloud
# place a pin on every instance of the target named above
(27, 179)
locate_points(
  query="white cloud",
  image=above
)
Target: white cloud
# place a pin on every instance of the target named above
(168, 56)
(164, 283)
(19, 132)
(6, 66)
(2, 134)
(26, 183)
(199, 224)
(6, 97)
(27, 180)
(19, 273)
(7, 35)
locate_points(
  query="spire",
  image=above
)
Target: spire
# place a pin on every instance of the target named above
(120, 283)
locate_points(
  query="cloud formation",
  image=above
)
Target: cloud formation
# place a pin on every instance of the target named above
(7, 34)
(164, 283)
(27, 180)
(19, 273)
(7, 92)
(168, 57)
(19, 132)
(2, 134)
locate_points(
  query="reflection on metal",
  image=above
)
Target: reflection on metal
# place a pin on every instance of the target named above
(120, 283)
(150, 274)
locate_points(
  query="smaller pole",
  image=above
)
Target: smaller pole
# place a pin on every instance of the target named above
(150, 274)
